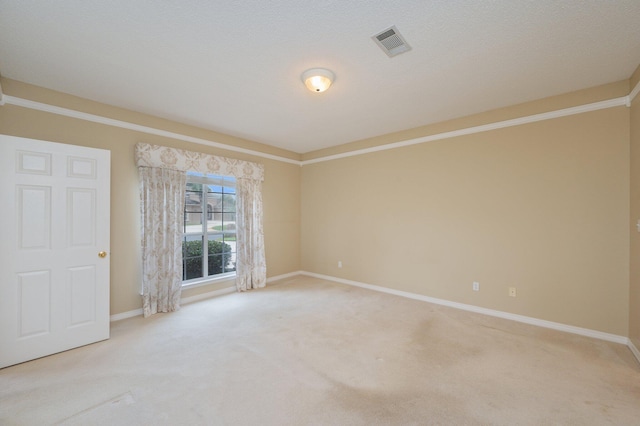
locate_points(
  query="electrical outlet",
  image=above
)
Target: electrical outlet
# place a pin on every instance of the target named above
(339, 263)
(476, 286)
(512, 291)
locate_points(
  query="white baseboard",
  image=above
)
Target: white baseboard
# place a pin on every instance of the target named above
(184, 301)
(283, 276)
(125, 315)
(506, 315)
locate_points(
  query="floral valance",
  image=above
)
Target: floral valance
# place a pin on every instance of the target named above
(148, 155)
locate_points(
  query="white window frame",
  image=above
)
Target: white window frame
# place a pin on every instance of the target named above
(204, 180)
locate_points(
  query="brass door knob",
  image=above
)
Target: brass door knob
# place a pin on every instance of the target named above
(102, 254)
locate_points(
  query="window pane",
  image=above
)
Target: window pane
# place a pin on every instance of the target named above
(192, 245)
(192, 222)
(192, 257)
(221, 263)
(215, 243)
(229, 218)
(192, 268)
(193, 211)
(214, 200)
(215, 264)
(229, 262)
(229, 203)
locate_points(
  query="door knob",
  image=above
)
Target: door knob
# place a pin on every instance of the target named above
(102, 254)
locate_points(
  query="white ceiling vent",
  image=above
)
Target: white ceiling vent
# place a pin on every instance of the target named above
(391, 42)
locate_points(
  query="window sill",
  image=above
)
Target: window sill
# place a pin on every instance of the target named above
(209, 280)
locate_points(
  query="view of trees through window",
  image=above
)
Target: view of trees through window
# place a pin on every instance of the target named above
(209, 238)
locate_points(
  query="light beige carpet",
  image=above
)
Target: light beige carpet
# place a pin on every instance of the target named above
(307, 352)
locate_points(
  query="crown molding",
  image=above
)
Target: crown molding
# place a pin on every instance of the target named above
(12, 100)
(595, 106)
(611, 103)
(633, 94)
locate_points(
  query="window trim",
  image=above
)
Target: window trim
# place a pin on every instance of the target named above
(225, 182)
(212, 279)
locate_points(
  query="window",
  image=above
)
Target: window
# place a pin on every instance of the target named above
(209, 235)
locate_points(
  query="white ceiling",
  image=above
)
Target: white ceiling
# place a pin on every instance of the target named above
(235, 66)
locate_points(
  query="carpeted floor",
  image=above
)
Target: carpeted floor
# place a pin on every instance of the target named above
(310, 352)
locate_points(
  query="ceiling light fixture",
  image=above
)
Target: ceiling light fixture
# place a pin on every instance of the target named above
(318, 79)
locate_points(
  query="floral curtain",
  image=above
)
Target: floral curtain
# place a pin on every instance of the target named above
(251, 266)
(251, 269)
(178, 159)
(162, 214)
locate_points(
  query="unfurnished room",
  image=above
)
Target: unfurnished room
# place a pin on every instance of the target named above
(320, 212)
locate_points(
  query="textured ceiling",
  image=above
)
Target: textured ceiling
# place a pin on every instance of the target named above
(234, 67)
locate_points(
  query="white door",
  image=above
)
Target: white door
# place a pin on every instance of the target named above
(54, 247)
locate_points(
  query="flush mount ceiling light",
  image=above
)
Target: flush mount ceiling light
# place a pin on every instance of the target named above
(318, 79)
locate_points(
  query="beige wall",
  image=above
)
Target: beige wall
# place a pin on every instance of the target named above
(634, 290)
(281, 189)
(542, 207)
